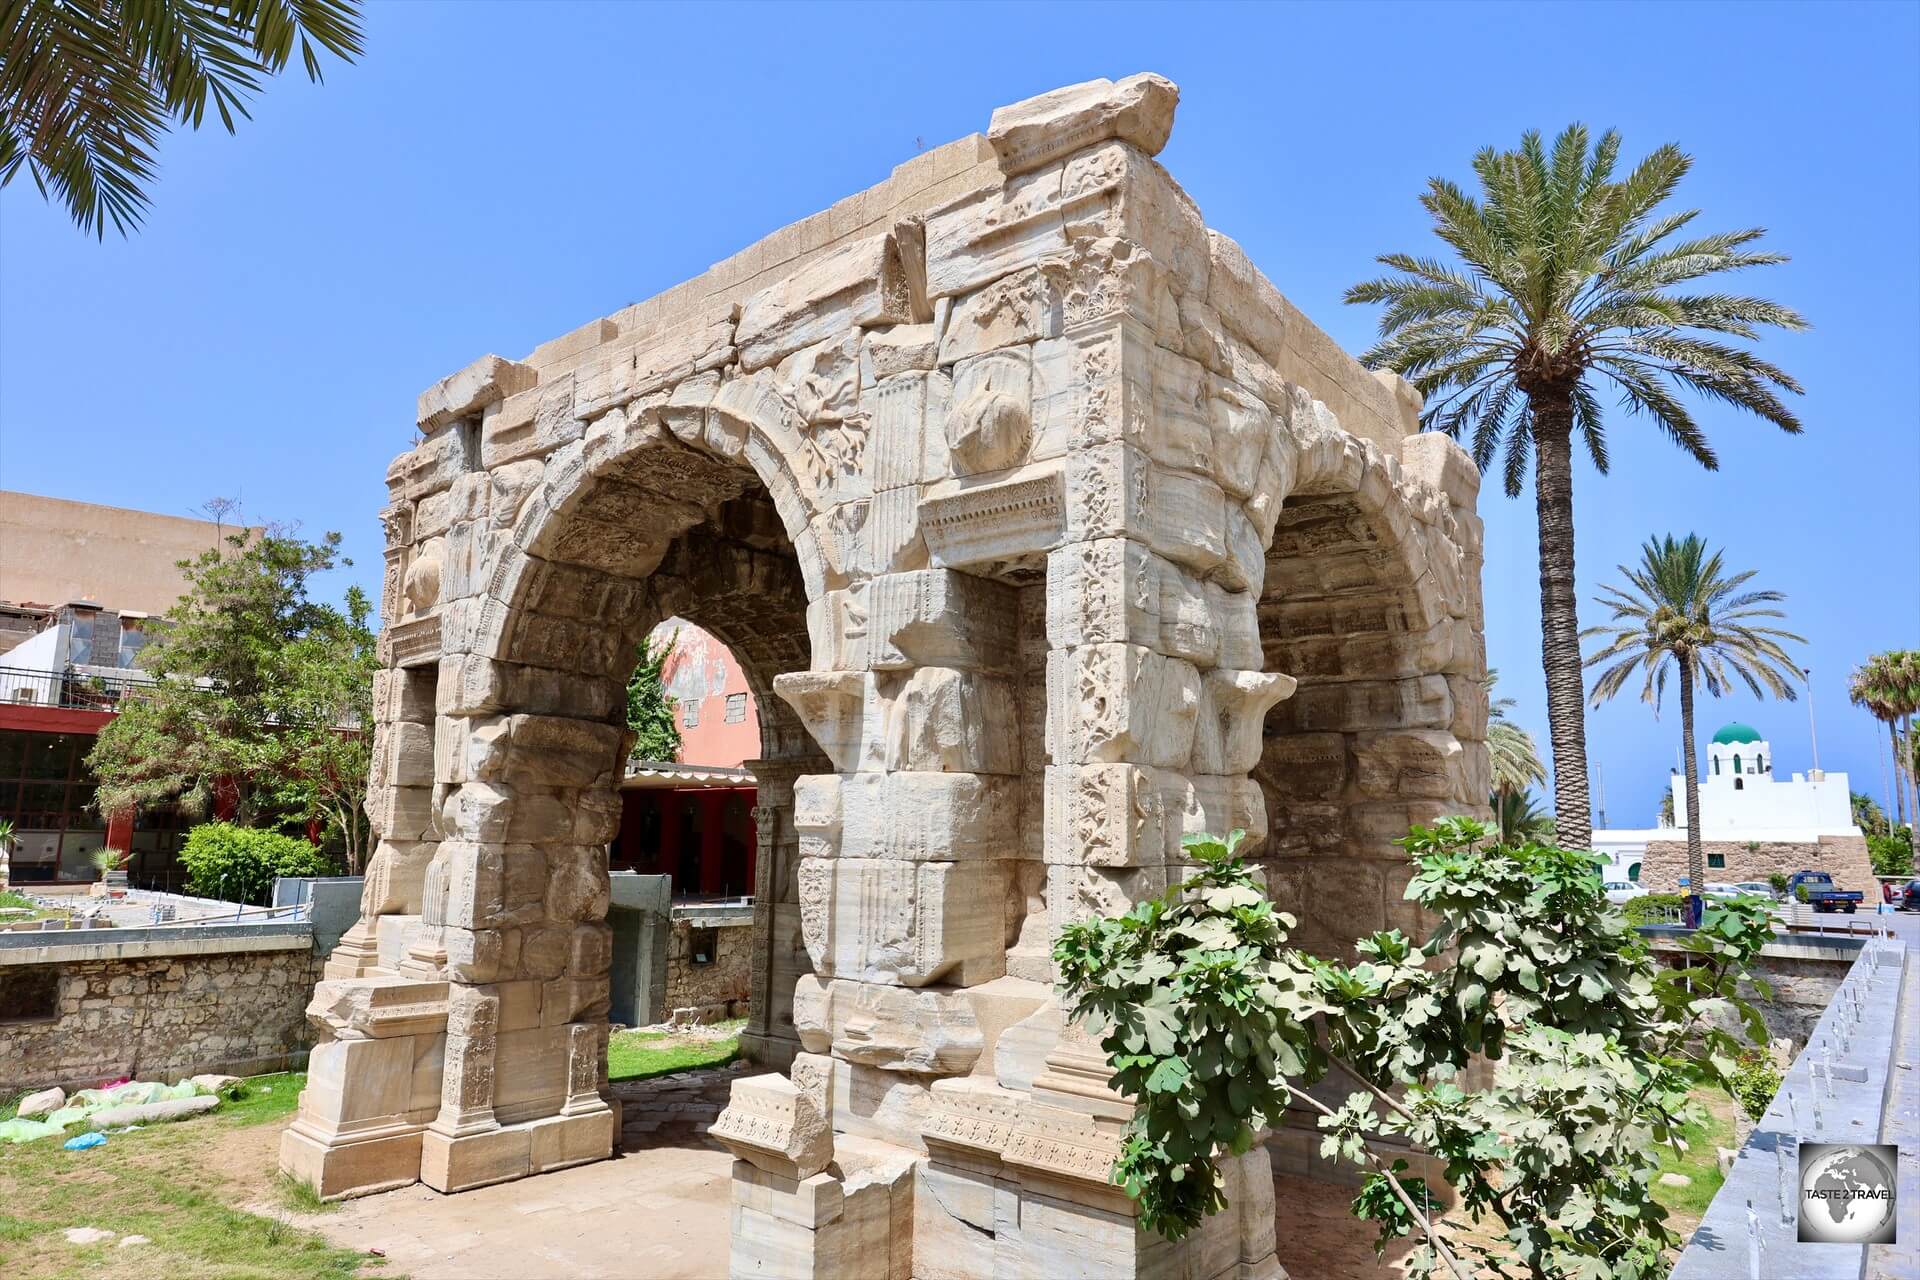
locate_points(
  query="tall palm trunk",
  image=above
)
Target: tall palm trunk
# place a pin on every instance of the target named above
(1696, 855)
(1903, 761)
(1899, 776)
(1560, 620)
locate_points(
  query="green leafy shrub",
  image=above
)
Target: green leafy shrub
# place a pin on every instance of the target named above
(1654, 908)
(1777, 881)
(1754, 1082)
(1216, 1026)
(239, 864)
(1891, 855)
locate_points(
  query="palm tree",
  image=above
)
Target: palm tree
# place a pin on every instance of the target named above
(88, 86)
(1511, 749)
(1680, 612)
(1566, 285)
(1518, 819)
(1867, 815)
(1904, 688)
(1888, 686)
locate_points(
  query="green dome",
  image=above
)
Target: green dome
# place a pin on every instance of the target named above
(1737, 732)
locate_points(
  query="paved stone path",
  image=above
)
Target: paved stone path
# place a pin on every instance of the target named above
(657, 1211)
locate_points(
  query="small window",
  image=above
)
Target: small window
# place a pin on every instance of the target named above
(1716, 766)
(1736, 762)
(1759, 764)
(736, 708)
(1717, 861)
(1739, 784)
(703, 946)
(690, 714)
(30, 993)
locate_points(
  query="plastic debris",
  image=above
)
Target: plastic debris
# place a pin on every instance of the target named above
(86, 1141)
(87, 1235)
(26, 1130)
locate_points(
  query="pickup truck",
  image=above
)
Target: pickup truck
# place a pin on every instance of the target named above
(1815, 888)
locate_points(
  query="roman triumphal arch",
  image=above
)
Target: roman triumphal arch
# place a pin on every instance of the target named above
(1055, 533)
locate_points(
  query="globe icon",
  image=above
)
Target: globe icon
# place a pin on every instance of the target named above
(1846, 1196)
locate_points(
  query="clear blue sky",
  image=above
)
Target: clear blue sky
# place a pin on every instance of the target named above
(492, 175)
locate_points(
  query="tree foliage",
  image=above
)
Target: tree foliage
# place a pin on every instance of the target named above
(239, 864)
(1892, 855)
(1887, 685)
(1568, 282)
(263, 695)
(1510, 749)
(1216, 1026)
(649, 711)
(87, 87)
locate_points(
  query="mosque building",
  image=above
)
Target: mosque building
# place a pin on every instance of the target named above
(1753, 824)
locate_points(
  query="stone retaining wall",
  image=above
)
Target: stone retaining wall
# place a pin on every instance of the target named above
(722, 986)
(157, 1017)
(1842, 857)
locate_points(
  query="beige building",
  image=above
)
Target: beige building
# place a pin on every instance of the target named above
(54, 550)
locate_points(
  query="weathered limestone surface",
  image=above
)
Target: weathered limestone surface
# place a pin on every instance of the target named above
(1048, 532)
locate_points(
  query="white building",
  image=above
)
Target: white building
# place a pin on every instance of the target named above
(1741, 800)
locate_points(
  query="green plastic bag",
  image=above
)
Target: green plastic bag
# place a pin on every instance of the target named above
(12, 1131)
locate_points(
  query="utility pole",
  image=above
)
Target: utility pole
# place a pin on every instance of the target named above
(1813, 733)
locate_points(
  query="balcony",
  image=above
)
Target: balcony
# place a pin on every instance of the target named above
(70, 690)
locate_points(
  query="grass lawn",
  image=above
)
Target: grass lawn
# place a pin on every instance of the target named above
(182, 1186)
(1701, 1163)
(641, 1055)
(8, 898)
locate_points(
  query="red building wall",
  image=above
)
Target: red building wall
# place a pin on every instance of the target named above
(719, 722)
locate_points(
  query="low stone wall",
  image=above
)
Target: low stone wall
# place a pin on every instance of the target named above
(1843, 857)
(709, 965)
(226, 999)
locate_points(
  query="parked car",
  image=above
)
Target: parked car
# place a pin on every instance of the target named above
(1620, 892)
(1910, 896)
(1815, 888)
(1758, 888)
(1722, 889)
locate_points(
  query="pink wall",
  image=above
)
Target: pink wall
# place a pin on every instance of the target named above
(702, 674)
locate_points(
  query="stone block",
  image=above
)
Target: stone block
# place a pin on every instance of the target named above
(1110, 703)
(918, 1031)
(772, 1125)
(909, 923)
(45, 1102)
(337, 1172)
(996, 233)
(953, 720)
(914, 817)
(1109, 815)
(940, 618)
(1106, 591)
(1138, 110)
(861, 284)
(557, 1142)
(478, 1160)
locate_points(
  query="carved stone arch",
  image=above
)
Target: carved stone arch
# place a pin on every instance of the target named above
(1065, 483)
(1371, 602)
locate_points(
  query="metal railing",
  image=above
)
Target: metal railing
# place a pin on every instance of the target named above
(69, 690)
